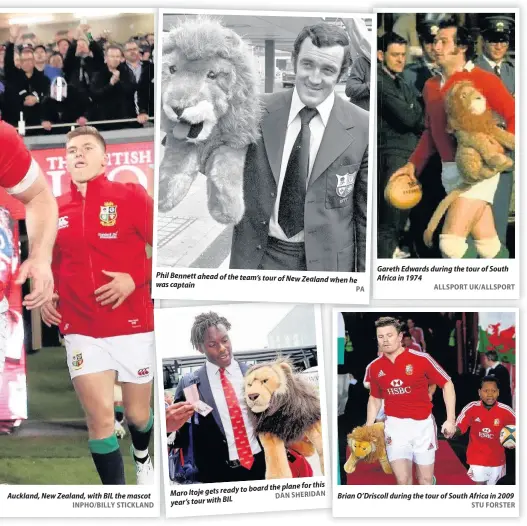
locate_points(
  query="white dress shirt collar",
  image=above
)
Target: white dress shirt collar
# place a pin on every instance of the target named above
(324, 108)
(213, 369)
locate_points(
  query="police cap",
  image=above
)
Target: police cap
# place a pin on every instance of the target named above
(497, 28)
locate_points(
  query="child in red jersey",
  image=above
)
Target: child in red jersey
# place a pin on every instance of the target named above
(485, 418)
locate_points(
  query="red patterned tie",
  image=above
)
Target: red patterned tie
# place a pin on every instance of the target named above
(240, 434)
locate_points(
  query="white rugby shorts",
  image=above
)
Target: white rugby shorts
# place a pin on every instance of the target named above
(484, 190)
(131, 356)
(488, 474)
(410, 439)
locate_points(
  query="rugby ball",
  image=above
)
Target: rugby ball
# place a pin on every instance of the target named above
(403, 193)
(508, 436)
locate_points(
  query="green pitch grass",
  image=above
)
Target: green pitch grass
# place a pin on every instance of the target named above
(33, 454)
(53, 460)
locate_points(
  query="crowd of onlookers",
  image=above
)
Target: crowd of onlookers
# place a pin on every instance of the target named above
(78, 78)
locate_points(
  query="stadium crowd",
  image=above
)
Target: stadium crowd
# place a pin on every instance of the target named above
(410, 53)
(77, 78)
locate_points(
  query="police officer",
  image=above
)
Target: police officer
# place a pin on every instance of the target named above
(418, 72)
(497, 32)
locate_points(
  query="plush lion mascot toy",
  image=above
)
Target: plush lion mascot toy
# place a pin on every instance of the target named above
(481, 144)
(210, 111)
(285, 410)
(366, 443)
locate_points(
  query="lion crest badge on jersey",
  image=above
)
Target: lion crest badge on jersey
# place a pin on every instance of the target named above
(345, 184)
(108, 214)
(496, 422)
(77, 361)
(409, 369)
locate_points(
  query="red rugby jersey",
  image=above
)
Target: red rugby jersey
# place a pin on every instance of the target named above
(435, 138)
(484, 448)
(15, 161)
(404, 383)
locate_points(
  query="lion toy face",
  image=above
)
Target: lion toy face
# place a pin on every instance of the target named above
(208, 82)
(262, 384)
(362, 449)
(467, 109)
(471, 100)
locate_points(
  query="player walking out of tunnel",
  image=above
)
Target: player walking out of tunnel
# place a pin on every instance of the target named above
(102, 302)
(22, 178)
(486, 418)
(402, 378)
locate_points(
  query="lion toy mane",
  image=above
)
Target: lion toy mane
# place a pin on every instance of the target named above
(481, 144)
(210, 111)
(366, 443)
(285, 410)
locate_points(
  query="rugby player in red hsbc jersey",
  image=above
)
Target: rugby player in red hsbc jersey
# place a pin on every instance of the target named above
(486, 418)
(102, 302)
(401, 377)
(22, 178)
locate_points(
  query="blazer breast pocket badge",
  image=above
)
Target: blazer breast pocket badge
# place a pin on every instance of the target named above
(340, 187)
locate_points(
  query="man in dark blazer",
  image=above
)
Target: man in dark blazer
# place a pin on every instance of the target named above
(306, 205)
(400, 122)
(223, 452)
(493, 367)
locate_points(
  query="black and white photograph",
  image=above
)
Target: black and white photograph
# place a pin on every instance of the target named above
(264, 138)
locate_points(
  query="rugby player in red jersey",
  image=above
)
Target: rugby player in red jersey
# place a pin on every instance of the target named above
(401, 377)
(22, 178)
(485, 418)
(102, 302)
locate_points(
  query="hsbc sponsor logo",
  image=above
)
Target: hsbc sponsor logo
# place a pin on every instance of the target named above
(398, 388)
(486, 433)
(63, 222)
(143, 372)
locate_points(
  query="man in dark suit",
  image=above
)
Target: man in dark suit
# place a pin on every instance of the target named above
(305, 180)
(400, 123)
(226, 448)
(493, 367)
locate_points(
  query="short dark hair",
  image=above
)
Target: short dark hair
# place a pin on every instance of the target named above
(324, 35)
(388, 39)
(63, 40)
(86, 130)
(492, 356)
(202, 322)
(39, 45)
(489, 378)
(386, 321)
(406, 334)
(463, 37)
